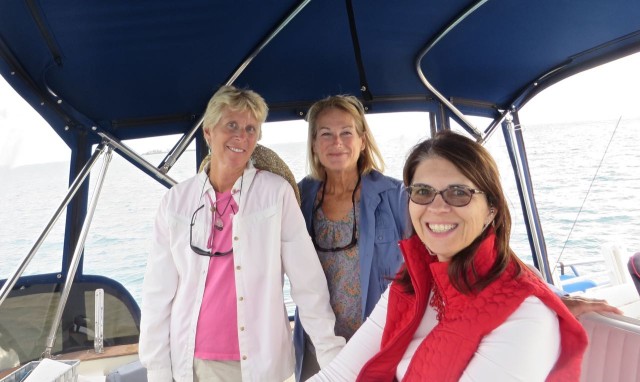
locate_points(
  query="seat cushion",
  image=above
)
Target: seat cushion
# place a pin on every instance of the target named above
(131, 372)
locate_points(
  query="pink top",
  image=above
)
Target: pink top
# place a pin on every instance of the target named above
(217, 330)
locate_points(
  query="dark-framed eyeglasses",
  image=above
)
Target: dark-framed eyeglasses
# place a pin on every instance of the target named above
(354, 232)
(196, 249)
(456, 196)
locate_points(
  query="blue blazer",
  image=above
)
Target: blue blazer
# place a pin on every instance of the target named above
(383, 219)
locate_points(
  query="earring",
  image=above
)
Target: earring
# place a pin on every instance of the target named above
(491, 222)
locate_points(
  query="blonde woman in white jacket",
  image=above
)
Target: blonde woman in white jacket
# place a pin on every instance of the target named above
(213, 304)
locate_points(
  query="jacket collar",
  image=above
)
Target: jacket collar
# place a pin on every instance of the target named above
(418, 258)
(240, 189)
(374, 183)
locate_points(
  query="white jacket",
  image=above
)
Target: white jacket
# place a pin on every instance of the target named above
(269, 240)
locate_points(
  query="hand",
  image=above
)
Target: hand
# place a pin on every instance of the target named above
(578, 305)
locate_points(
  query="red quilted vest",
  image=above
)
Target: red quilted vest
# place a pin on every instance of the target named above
(466, 319)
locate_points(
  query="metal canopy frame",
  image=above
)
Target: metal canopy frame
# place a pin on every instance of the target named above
(111, 72)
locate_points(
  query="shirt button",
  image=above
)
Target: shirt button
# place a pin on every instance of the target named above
(238, 267)
(236, 238)
(241, 298)
(244, 357)
(242, 328)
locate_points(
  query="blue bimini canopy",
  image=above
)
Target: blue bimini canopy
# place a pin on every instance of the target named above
(147, 68)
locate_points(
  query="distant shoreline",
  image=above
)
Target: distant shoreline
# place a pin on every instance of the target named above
(156, 151)
(159, 151)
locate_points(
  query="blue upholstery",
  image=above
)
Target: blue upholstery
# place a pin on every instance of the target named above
(570, 286)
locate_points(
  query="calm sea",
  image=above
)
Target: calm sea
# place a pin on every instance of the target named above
(586, 199)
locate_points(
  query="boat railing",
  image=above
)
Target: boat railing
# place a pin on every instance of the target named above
(68, 277)
(573, 279)
(573, 266)
(609, 270)
(13, 278)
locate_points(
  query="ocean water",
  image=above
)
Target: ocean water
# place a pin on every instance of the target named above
(587, 199)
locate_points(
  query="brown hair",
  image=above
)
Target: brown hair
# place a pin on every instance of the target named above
(370, 157)
(475, 163)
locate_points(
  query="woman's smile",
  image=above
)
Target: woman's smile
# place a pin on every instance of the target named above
(444, 229)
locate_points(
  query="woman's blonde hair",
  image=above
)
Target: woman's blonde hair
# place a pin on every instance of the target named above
(370, 157)
(237, 100)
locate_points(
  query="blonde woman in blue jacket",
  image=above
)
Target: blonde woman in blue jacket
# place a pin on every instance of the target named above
(354, 214)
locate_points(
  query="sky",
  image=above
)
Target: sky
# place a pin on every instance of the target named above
(606, 92)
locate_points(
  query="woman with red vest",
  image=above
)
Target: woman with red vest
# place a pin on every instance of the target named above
(463, 307)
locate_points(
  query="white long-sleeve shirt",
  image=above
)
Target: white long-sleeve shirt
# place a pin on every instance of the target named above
(524, 348)
(269, 240)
